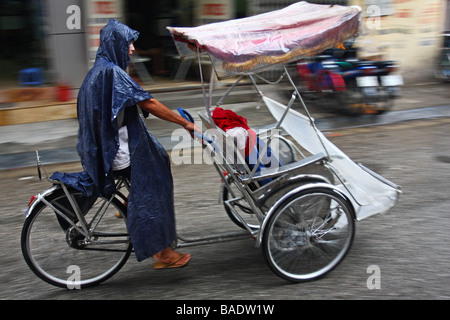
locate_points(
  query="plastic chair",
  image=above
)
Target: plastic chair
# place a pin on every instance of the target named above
(30, 77)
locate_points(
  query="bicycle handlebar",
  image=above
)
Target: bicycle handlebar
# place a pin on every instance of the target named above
(186, 115)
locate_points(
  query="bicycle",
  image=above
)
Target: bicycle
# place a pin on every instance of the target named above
(66, 231)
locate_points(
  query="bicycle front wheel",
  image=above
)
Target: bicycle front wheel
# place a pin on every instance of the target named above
(69, 253)
(309, 234)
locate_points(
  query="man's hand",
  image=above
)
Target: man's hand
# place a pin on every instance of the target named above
(191, 128)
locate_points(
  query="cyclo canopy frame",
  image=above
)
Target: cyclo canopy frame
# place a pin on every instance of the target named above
(245, 47)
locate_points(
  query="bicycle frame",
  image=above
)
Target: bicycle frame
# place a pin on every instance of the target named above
(87, 229)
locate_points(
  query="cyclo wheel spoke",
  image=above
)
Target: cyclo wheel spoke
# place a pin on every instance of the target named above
(308, 235)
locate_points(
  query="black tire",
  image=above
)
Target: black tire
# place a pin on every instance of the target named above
(308, 234)
(351, 102)
(61, 255)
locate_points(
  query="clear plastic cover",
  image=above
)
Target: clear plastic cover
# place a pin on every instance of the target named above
(250, 44)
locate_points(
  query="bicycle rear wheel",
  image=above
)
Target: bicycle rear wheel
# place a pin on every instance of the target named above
(75, 254)
(309, 234)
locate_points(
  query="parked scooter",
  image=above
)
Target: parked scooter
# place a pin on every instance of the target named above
(340, 81)
(442, 71)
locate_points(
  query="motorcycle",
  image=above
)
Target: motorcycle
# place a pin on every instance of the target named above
(342, 82)
(442, 71)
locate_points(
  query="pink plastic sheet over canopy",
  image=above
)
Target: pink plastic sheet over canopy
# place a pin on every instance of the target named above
(250, 44)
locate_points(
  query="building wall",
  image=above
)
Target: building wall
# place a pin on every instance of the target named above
(73, 35)
(408, 31)
(66, 43)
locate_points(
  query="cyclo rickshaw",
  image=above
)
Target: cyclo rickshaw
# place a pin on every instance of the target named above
(295, 192)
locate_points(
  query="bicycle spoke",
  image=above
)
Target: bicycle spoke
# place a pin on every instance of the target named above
(54, 238)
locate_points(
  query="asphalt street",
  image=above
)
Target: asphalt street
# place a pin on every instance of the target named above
(408, 245)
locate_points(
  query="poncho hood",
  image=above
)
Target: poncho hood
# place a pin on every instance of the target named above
(106, 90)
(115, 39)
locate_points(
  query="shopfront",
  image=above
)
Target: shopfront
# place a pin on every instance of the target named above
(61, 36)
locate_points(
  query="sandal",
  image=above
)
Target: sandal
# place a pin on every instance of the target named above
(178, 263)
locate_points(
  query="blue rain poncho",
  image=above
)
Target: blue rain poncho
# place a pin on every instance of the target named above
(107, 90)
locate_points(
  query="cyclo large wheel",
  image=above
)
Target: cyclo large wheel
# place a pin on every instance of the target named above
(57, 252)
(308, 234)
(243, 212)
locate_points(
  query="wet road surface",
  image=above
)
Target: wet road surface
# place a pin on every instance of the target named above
(409, 245)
